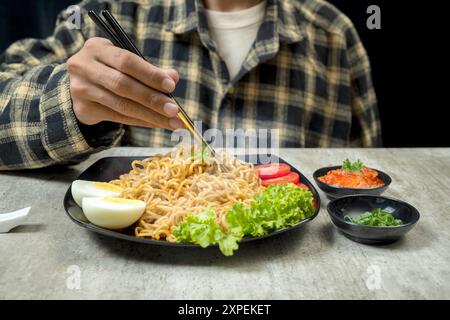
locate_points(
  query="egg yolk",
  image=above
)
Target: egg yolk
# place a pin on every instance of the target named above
(107, 186)
(119, 200)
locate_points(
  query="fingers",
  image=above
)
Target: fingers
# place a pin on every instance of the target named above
(107, 114)
(101, 113)
(109, 83)
(127, 87)
(173, 74)
(137, 68)
(131, 108)
(90, 113)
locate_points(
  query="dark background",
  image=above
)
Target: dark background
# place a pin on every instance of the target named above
(407, 57)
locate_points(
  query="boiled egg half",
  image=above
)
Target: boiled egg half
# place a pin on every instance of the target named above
(112, 212)
(83, 188)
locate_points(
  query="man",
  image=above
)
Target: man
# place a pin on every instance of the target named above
(295, 66)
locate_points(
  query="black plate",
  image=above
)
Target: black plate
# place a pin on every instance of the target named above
(357, 204)
(107, 169)
(333, 192)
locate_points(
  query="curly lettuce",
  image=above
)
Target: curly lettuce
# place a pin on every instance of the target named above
(201, 229)
(276, 207)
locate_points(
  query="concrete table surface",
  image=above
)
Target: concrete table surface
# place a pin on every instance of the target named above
(50, 257)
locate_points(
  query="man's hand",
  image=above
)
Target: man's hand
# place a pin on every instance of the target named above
(111, 84)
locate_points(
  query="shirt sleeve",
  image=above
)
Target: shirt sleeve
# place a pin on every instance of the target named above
(38, 127)
(366, 126)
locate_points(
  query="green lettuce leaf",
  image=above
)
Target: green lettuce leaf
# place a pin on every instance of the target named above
(201, 229)
(276, 207)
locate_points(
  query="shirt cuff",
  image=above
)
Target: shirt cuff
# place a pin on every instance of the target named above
(103, 134)
(64, 138)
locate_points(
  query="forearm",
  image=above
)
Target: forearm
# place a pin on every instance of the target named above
(37, 125)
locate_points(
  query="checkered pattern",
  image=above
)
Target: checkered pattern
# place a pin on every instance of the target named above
(306, 75)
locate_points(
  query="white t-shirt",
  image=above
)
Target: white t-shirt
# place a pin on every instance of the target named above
(234, 33)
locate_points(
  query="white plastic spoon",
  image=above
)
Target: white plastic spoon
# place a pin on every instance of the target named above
(11, 220)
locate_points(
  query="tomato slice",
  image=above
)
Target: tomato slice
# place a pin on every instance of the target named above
(273, 170)
(291, 177)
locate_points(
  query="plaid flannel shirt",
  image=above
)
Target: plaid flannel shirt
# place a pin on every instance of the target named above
(307, 75)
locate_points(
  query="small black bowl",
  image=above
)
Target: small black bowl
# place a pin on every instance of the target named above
(357, 204)
(334, 192)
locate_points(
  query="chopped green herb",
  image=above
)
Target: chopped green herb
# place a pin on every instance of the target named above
(197, 153)
(203, 153)
(355, 166)
(376, 218)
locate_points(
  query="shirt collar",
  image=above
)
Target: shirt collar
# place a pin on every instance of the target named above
(183, 17)
(189, 16)
(290, 22)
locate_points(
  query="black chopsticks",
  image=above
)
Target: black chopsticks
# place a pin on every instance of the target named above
(106, 29)
(114, 31)
(123, 36)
